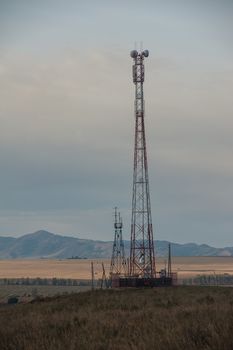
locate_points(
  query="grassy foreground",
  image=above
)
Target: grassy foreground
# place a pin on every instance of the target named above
(164, 318)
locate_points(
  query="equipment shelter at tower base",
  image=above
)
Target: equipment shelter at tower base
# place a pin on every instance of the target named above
(125, 282)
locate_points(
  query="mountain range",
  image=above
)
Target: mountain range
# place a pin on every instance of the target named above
(43, 244)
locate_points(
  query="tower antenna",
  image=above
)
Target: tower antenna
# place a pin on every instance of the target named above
(142, 261)
(118, 262)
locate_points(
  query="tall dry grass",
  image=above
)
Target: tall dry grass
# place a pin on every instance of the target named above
(165, 318)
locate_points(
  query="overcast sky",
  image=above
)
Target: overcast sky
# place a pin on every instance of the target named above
(67, 123)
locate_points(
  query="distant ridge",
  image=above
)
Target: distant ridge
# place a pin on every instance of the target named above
(43, 244)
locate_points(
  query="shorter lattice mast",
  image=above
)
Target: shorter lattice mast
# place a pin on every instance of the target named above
(118, 262)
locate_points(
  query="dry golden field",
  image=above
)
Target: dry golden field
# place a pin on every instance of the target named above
(80, 269)
(181, 318)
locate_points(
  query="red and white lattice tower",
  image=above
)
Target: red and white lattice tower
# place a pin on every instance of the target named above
(142, 261)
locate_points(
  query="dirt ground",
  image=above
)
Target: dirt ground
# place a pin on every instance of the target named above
(81, 269)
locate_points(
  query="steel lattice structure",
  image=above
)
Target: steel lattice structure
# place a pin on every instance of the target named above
(142, 262)
(118, 262)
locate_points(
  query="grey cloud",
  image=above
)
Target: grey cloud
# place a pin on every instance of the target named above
(67, 124)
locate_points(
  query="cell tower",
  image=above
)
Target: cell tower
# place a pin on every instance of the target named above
(142, 261)
(118, 262)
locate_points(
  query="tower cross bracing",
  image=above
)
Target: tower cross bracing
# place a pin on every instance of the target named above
(142, 261)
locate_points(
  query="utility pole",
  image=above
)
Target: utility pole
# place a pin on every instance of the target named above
(92, 276)
(104, 278)
(169, 270)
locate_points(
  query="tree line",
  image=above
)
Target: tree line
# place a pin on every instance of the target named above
(209, 280)
(45, 281)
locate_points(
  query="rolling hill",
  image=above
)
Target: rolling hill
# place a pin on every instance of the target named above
(43, 244)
